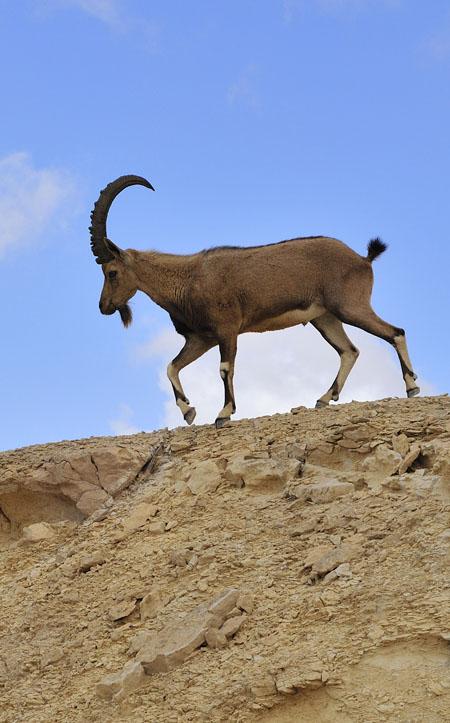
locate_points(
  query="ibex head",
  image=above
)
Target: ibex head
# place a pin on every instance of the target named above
(120, 283)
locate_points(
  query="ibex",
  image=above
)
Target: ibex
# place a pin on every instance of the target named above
(215, 295)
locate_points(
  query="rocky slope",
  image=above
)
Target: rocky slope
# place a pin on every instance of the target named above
(285, 568)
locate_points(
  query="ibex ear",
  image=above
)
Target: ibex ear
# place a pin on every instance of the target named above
(113, 249)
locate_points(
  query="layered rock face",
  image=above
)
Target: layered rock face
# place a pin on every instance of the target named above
(285, 568)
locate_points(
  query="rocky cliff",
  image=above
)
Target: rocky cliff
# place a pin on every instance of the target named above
(286, 568)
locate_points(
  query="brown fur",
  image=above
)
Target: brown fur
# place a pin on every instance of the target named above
(218, 295)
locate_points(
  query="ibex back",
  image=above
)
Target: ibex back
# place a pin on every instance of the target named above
(215, 295)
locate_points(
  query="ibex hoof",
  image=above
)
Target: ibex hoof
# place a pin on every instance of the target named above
(190, 415)
(413, 392)
(220, 422)
(320, 404)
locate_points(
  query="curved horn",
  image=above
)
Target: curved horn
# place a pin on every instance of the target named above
(99, 214)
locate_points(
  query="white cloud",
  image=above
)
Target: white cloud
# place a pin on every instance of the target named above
(108, 11)
(30, 199)
(438, 44)
(122, 423)
(115, 15)
(290, 8)
(277, 371)
(243, 90)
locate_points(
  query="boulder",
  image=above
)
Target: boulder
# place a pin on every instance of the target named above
(261, 474)
(205, 477)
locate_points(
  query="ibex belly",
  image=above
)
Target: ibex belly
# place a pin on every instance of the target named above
(289, 318)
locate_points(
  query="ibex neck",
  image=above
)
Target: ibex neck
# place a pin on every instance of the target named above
(161, 276)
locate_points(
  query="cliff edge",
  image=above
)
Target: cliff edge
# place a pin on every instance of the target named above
(284, 568)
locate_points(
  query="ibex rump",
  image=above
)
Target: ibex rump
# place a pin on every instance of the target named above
(215, 295)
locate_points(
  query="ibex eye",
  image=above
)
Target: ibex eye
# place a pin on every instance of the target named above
(112, 274)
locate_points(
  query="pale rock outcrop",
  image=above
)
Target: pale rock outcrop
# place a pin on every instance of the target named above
(261, 474)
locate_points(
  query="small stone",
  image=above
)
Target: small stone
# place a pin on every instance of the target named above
(89, 561)
(436, 688)
(204, 478)
(180, 557)
(245, 602)
(232, 625)
(264, 475)
(386, 708)
(140, 515)
(332, 560)
(92, 500)
(144, 637)
(409, 459)
(156, 528)
(305, 526)
(400, 444)
(37, 532)
(71, 596)
(321, 492)
(224, 602)
(151, 604)
(117, 685)
(52, 655)
(263, 686)
(215, 638)
(121, 609)
(383, 463)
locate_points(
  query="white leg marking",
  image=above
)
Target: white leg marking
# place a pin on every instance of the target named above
(183, 406)
(348, 358)
(410, 379)
(227, 411)
(224, 367)
(400, 343)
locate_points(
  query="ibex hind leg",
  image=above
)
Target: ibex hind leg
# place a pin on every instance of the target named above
(194, 347)
(366, 319)
(333, 332)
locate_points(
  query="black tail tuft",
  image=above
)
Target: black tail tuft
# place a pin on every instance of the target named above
(375, 247)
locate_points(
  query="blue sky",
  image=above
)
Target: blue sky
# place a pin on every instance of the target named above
(256, 121)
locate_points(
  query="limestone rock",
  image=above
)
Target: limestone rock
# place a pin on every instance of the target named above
(215, 638)
(204, 478)
(87, 562)
(400, 444)
(232, 625)
(139, 516)
(91, 500)
(38, 532)
(245, 602)
(261, 474)
(331, 560)
(172, 645)
(151, 604)
(408, 460)
(121, 609)
(117, 466)
(262, 686)
(117, 685)
(223, 603)
(325, 491)
(383, 463)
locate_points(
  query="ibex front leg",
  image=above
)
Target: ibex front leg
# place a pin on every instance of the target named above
(194, 347)
(228, 350)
